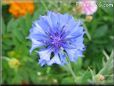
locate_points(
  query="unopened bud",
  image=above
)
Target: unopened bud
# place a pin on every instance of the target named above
(100, 77)
(89, 18)
(13, 63)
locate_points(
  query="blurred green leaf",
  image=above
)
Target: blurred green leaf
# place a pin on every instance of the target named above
(18, 35)
(10, 25)
(28, 22)
(3, 26)
(36, 15)
(85, 77)
(77, 65)
(100, 32)
(67, 80)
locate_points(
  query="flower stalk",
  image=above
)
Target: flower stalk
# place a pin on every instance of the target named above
(71, 71)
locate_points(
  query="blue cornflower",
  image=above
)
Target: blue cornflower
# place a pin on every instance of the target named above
(59, 37)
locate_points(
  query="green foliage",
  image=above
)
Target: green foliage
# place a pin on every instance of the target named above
(87, 69)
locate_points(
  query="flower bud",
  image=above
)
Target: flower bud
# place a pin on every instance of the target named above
(14, 63)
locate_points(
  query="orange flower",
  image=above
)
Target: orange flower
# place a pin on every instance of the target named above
(21, 8)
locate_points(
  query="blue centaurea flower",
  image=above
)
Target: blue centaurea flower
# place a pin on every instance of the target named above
(58, 36)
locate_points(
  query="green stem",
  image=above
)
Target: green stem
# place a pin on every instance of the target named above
(87, 32)
(108, 65)
(71, 71)
(44, 5)
(5, 58)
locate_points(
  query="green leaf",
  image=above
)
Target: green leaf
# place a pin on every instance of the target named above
(28, 21)
(10, 25)
(17, 79)
(38, 12)
(3, 26)
(86, 76)
(18, 34)
(100, 32)
(77, 65)
(67, 80)
(35, 15)
(108, 67)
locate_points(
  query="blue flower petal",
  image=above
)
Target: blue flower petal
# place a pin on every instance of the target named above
(74, 54)
(45, 54)
(64, 19)
(38, 37)
(55, 59)
(35, 44)
(36, 28)
(54, 18)
(76, 43)
(42, 62)
(77, 30)
(62, 57)
(44, 24)
(48, 20)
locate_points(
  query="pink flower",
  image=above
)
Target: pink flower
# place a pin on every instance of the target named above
(88, 7)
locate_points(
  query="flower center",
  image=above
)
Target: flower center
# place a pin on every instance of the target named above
(56, 40)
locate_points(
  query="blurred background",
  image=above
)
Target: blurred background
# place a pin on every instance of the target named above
(19, 67)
